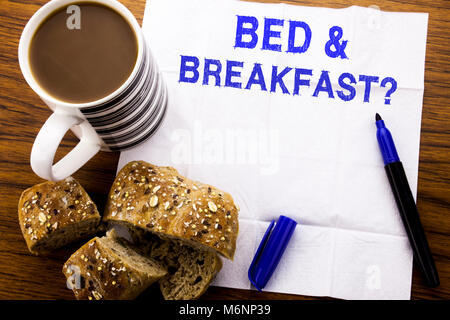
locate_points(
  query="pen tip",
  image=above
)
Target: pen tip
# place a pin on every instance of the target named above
(378, 117)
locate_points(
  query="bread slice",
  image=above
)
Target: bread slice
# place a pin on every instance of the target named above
(160, 200)
(105, 268)
(194, 271)
(190, 270)
(53, 214)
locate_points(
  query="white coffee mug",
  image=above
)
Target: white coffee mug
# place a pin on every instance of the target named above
(121, 120)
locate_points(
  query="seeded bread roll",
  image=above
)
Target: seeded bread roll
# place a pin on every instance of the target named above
(105, 268)
(53, 214)
(190, 270)
(162, 201)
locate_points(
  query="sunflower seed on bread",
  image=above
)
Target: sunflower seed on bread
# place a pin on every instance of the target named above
(160, 200)
(108, 269)
(53, 214)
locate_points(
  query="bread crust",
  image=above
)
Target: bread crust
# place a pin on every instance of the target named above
(48, 210)
(162, 201)
(95, 272)
(174, 255)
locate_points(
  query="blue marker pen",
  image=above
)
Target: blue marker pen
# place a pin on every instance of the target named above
(406, 205)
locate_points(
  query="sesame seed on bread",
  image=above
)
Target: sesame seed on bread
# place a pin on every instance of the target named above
(53, 214)
(107, 269)
(190, 270)
(160, 200)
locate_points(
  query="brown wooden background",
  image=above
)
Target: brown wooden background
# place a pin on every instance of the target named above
(22, 113)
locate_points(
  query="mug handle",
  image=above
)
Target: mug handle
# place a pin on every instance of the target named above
(48, 140)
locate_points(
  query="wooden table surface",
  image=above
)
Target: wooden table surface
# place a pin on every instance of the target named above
(22, 113)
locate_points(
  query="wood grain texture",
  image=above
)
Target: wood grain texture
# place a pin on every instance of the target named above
(22, 113)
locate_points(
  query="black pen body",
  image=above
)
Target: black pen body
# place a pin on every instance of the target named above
(411, 220)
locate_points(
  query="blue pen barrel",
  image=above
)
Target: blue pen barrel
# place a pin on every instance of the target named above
(270, 251)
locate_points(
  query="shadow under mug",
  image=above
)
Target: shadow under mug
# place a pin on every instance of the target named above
(123, 119)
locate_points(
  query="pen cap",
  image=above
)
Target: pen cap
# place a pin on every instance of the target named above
(386, 143)
(270, 251)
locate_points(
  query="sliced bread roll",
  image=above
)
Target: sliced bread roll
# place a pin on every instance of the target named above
(53, 214)
(194, 270)
(106, 268)
(190, 270)
(160, 200)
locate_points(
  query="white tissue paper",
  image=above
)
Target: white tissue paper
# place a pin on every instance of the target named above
(312, 158)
